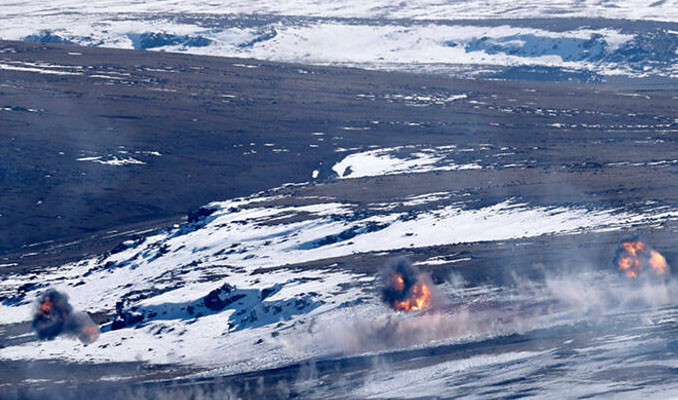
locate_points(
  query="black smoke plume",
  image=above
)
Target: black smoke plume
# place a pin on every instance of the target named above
(54, 316)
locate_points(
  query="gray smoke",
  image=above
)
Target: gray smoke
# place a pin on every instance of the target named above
(572, 294)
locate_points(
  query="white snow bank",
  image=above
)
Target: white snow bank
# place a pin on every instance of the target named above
(387, 9)
(393, 161)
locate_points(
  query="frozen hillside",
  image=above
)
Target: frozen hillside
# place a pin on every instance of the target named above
(420, 9)
(245, 271)
(466, 38)
(275, 279)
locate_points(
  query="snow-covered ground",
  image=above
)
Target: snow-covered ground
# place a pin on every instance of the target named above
(159, 284)
(421, 159)
(385, 162)
(422, 36)
(586, 365)
(121, 157)
(418, 9)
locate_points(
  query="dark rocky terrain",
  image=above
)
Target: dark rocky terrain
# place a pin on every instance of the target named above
(175, 105)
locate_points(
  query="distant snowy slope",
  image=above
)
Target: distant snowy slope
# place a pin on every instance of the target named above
(662, 10)
(629, 38)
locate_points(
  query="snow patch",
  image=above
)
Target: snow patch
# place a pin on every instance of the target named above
(112, 160)
(397, 160)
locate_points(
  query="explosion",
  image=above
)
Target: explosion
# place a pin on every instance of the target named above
(633, 257)
(54, 316)
(404, 288)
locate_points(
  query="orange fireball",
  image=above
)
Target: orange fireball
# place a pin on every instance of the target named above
(420, 299)
(398, 283)
(45, 307)
(634, 257)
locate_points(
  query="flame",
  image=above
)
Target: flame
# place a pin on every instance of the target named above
(46, 307)
(398, 283)
(633, 256)
(88, 334)
(45, 315)
(658, 262)
(420, 298)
